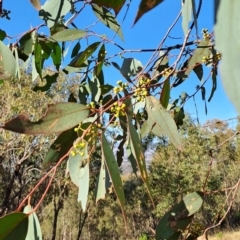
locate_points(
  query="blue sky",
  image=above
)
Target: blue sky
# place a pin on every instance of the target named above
(146, 34)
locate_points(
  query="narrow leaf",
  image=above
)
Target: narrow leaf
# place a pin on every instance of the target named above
(105, 16)
(214, 83)
(14, 224)
(145, 6)
(187, 9)
(56, 55)
(68, 35)
(83, 56)
(116, 5)
(58, 118)
(75, 50)
(113, 171)
(36, 4)
(83, 186)
(227, 33)
(165, 94)
(101, 184)
(7, 62)
(100, 61)
(34, 229)
(38, 58)
(137, 151)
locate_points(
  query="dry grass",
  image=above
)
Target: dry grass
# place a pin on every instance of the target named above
(225, 236)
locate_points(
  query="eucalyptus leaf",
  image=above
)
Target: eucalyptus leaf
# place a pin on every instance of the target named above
(34, 229)
(53, 10)
(8, 65)
(227, 33)
(105, 16)
(58, 118)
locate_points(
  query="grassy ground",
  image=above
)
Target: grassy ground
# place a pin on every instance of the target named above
(225, 236)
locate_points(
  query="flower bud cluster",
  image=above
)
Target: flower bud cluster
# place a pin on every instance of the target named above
(91, 105)
(206, 34)
(121, 86)
(118, 109)
(166, 72)
(141, 91)
(78, 148)
(209, 59)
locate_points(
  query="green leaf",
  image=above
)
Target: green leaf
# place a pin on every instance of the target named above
(131, 67)
(160, 65)
(12, 225)
(58, 118)
(179, 116)
(26, 43)
(83, 56)
(46, 49)
(50, 80)
(34, 229)
(83, 94)
(83, 186)
(179, 217)
(34, 70)
(160, 122)
(57, 28)
(60, 147)
(75, 50)
(193, 202)
(76, 163)
(203, 91)
(106, 88)
(17, 63)
(38, 58)
(2, 35)
(195, 15)
(68, 35)
(79, 171)
(56, 55)
(116, 5)
(105, 16)
(36, 4)
(137, 151)
(214, 83)
(101, 57)
(132, 160)
(197, 57)
(8, 65)
(187, 9)
(101, 184)
(53, 10)
(165, 94)
(227, 35)
(198, 69)
(94, 85)
(145, 6)
(113, 170)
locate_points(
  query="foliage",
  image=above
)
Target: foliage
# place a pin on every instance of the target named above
(134, 108)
